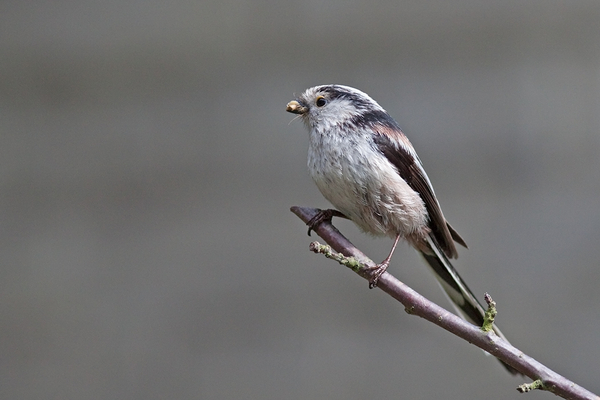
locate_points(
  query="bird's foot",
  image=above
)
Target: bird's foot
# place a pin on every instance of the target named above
(376, 273)
(322, 216)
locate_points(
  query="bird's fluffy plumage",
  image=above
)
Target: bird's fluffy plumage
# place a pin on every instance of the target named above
(387, 195)
(362, 162)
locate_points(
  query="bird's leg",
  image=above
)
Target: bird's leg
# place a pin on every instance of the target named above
(322, 216)
(379, 269)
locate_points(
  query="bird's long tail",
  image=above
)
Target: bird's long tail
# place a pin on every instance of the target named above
(457, 290)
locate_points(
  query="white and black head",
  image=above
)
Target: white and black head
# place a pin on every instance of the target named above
(327, 106)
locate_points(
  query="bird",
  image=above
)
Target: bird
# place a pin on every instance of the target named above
(365, 166)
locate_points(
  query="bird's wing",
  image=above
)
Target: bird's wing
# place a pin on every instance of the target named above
(394, 145)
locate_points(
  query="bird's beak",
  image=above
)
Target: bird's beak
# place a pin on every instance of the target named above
(296, 108)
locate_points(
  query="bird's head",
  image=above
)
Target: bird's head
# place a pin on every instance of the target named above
(327, 106)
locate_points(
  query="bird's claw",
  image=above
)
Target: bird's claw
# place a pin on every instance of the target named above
(322, 216)
(376, 273)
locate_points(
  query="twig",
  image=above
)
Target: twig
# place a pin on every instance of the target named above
(528, 387)
(490, 314)
(415, 304)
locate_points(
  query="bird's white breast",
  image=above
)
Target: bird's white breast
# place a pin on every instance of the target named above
(361, 183)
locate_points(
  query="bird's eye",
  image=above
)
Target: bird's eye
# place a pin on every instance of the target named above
(320, 102)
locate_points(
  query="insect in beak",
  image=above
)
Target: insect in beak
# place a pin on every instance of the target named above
(295, 107)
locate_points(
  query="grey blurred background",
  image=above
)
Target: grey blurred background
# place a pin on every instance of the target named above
(147, 168)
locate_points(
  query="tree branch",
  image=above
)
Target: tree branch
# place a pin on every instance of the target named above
(415, 304)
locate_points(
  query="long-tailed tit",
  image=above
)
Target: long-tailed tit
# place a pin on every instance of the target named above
(366, 167)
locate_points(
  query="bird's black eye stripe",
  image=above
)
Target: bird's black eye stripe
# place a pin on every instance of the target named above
(375, 117)
(320, 102)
